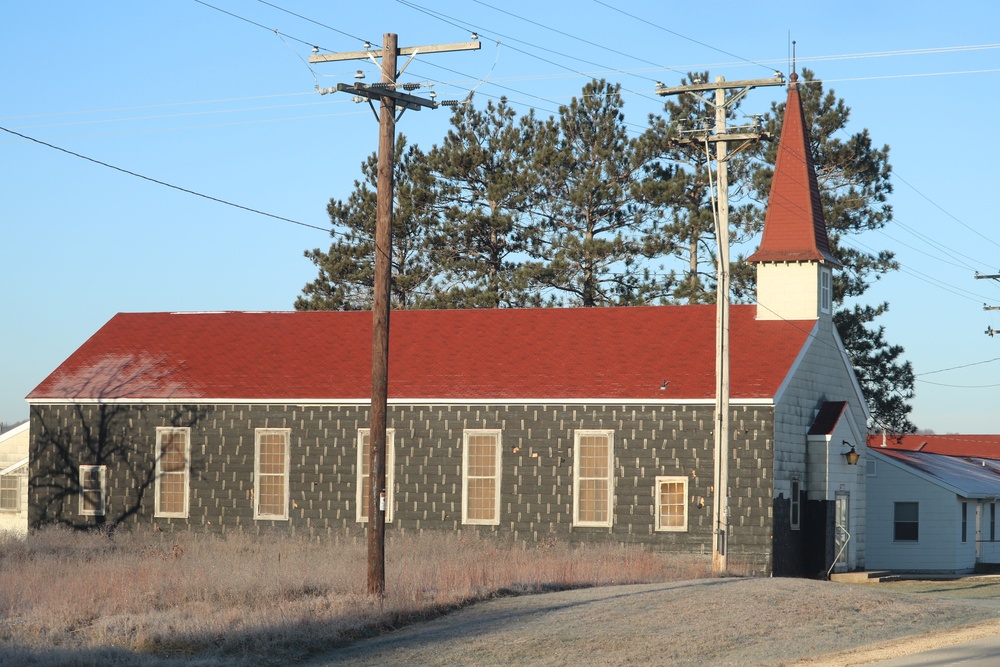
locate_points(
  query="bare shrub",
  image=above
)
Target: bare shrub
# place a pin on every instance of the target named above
(271, 598)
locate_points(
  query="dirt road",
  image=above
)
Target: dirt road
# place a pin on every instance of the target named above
(705, 622)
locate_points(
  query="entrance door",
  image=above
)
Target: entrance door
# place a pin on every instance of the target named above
(841, 530)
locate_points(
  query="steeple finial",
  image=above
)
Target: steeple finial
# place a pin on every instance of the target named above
(794, 78)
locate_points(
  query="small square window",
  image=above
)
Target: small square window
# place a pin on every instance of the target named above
(671, 504)
(10, 493)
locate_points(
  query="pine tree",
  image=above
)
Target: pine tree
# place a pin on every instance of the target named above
(594, 230)
(486, 187)
(680, 184)
(347, 269)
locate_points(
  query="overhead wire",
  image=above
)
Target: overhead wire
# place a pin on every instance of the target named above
(484, 31)
(677, 34)
(252, 22)
(163, 183)
(659, 66)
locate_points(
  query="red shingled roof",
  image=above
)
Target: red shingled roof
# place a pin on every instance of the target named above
(976, 446)
(794, 227)
(573, 353)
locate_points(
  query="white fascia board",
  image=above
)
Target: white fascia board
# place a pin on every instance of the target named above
(14, 466)
(20, 428)
(395, 401)
(850, 371)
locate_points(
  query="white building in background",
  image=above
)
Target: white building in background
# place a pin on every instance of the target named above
(14, 480)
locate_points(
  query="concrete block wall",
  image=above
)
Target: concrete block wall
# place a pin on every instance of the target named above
(536, 470)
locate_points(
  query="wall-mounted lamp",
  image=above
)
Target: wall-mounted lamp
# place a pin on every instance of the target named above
(852, 456)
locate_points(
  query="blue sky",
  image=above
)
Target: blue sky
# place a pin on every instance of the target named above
(210, 98)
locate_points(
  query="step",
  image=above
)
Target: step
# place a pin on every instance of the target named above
(863, 577)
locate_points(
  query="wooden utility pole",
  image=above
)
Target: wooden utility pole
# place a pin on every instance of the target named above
(721, 138)
(389, 97)
(990, 331)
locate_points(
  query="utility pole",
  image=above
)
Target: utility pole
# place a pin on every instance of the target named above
(389, 97)
(743, 138)
(990, 331)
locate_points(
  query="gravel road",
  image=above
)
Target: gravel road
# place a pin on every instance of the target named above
(728, 621)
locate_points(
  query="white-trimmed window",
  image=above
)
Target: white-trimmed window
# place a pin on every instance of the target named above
(795, 509)
(173, 471)
(92, 489)
(271, 462)
(593, 465)
(364, 472)
(906, 522)
(824, 289)
(481, 476)
(671, 504)
(10, 493)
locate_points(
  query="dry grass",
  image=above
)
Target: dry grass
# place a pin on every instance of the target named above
(90, 598)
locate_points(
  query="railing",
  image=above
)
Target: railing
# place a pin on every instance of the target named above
(842, 549)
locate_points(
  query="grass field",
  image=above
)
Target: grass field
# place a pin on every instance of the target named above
(74, 598)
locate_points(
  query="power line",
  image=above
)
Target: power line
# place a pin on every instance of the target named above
(677, 34)
(163, 183)
(580, 39)
(322, 25)
(955, 368)
(251, 22)
(452, 21)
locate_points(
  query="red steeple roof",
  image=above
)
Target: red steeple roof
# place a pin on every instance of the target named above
(794, 227)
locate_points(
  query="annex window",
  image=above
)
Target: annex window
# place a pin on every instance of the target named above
(906, 522)
(10, 493)
(481, 477)
(173, 466)
(92, 487)
(271, 462)
(795, 511)
(364, 472)
(671, 504)
(993, 522)
(824, 289)
(965, 521)
(593, 460)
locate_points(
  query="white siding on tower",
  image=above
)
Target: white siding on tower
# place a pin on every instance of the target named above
(788, 290)
(822, 373)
